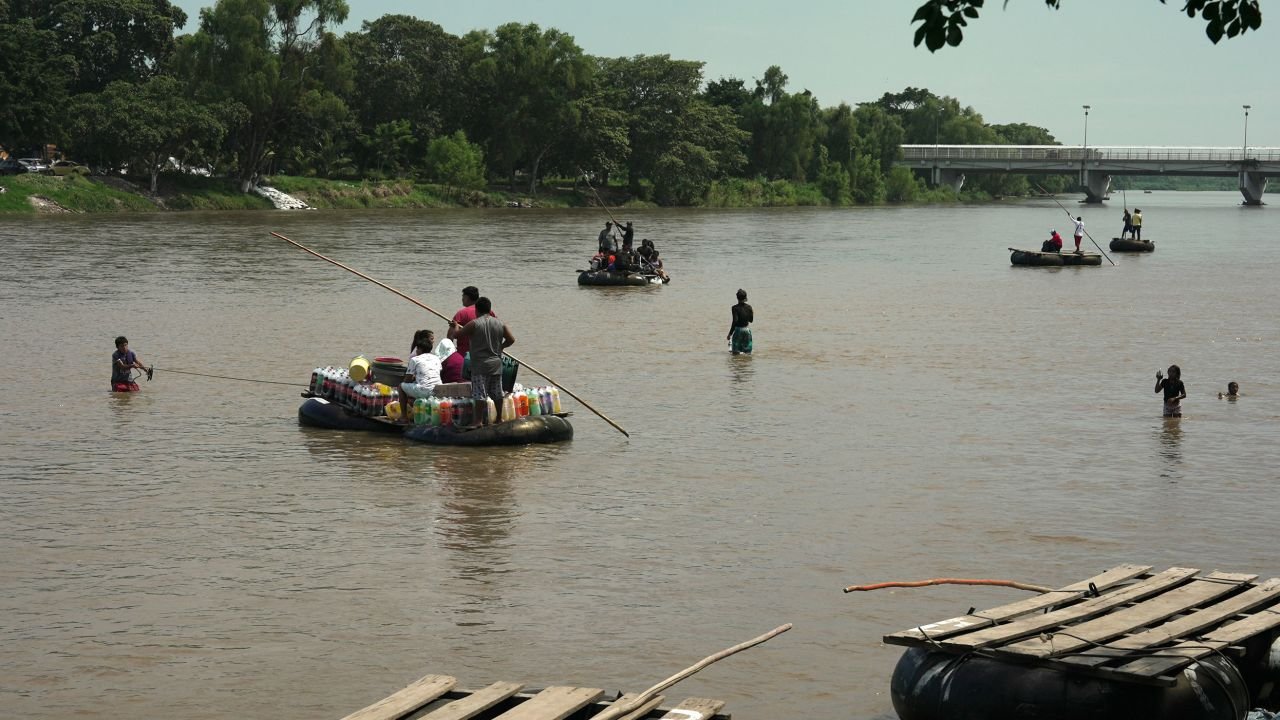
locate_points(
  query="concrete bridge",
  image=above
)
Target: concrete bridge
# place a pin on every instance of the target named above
(1094, 166)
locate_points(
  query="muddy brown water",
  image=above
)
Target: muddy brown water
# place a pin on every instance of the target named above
(916, 407)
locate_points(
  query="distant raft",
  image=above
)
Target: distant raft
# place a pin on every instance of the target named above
(1129, 245)
(604, 277)
(1052, 259)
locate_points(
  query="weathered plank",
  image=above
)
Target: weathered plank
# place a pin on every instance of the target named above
(1191, 650)
(641, 710)
(694, 709)
(986, 618)
(417, 694)
(554, 703)
(475, 703)
(1112, 625)
(1192, 624)
(1031, 624)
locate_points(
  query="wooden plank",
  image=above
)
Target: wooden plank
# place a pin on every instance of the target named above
(1192, 624)
(1191, 650)
(417, 694)
(475, 703)
(987, 618)
(641, 710)
(1088, 634)
(554, 703)
(1032, 624)
(694, 709)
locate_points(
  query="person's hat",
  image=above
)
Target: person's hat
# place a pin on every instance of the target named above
(1052, 231)
(608, 223)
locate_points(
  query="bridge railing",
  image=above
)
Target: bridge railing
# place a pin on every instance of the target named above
(1077, 153)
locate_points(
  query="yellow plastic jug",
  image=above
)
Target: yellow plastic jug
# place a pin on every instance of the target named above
(359, 368)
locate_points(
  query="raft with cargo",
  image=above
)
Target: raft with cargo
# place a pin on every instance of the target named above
(1131, 245)
(604, 277)
(1035, 258)
(362, 396)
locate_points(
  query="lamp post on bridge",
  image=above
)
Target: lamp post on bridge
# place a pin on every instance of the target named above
(1245, 147)
(1084, 157)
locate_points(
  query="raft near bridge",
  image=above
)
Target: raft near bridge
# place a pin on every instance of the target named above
(1253, 166)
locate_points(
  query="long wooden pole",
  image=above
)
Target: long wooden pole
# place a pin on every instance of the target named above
(600, 199)
(437, 313)
(1086, 232)
(616, 711)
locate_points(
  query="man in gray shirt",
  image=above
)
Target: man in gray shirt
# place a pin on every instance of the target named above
(489, 337)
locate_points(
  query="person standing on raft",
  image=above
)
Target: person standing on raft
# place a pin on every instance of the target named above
(1079, 233)
(489, 337)
(739, 336)
(1136, 222)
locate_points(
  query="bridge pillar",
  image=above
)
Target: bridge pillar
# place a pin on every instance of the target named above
(954, 178)
(1252, 186)
(1096, 184)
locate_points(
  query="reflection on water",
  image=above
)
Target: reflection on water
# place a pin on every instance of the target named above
(1171, 448)
(191, 550)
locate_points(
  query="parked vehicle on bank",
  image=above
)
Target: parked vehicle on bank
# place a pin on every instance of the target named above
(33, 164)
(67, 167)
(11, 167)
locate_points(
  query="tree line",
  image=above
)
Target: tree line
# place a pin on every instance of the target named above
(267, 88)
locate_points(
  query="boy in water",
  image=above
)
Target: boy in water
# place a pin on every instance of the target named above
(123, 361)
(1174, 390)
(1233, 391)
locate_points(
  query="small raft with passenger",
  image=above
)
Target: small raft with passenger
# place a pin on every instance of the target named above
(1035, 258)
(1131, 245)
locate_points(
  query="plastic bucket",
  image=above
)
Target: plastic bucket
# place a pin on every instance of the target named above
(359, 368)
(388, 370)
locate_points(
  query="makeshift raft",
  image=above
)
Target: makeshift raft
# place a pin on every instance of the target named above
(1052, 259)
(1123, 644)
(542, 429)
(1128, 245)
(434, 698)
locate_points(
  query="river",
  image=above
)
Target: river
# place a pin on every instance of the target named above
(916, 407)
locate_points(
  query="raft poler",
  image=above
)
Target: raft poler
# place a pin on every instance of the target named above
(739, 336)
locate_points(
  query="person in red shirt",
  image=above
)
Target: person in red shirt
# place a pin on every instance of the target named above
(1053, 244)
(465, 314)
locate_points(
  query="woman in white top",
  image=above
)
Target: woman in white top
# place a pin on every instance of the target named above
(421, 374)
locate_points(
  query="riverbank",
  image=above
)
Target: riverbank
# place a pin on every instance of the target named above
(29, 194)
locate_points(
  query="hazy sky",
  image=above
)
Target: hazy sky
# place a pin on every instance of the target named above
(1148, 72)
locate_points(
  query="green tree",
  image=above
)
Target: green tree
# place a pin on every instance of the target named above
(539, 79)
(34, 77)
(263, 56)
(409, 69)
(456, 163)
(391, 147)
(109, 40)
(784, 128)
(143, 125)
(942, 21)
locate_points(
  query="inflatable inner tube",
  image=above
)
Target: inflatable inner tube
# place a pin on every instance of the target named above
(321, 413)
(929, 684)
(604, 277)
(1127, 245)
(521, 431)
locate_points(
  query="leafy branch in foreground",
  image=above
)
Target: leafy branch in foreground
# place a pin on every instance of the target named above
(941, 21)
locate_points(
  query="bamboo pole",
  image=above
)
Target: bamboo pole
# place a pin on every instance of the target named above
(948, 581)
(616, 711)
(437, 313)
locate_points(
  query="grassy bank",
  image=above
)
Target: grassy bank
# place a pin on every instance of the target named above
(107, 194)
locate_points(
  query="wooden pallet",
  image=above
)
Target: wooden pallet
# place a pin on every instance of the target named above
(433, 697)
(1126, 624)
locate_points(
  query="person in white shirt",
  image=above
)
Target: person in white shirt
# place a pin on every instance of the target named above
(421, 374)
(1079, 232)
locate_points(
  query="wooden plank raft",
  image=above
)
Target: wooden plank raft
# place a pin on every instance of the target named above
(433, 697)
(1126, 624)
